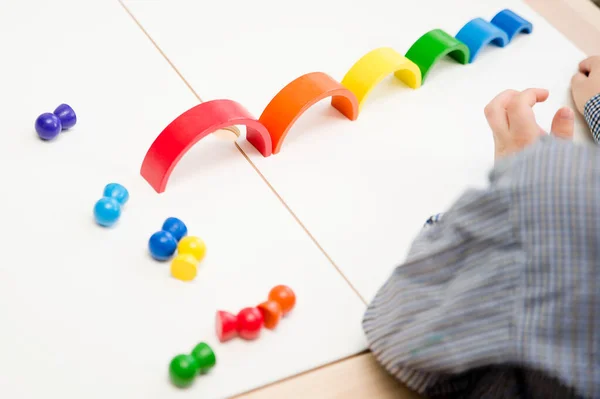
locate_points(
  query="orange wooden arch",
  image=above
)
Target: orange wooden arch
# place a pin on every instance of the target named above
(299, 95)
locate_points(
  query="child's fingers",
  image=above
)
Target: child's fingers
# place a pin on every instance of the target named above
(501, 100)
(519, 111)
(590, 64)
(563, 123)
(495, 111)
(528, 98)
(520, 106)
(580, 90)
(578, 79)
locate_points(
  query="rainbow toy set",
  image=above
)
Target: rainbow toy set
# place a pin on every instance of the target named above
(268, 132)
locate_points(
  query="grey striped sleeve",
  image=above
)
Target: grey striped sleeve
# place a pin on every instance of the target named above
(505, 277)
(440, 309)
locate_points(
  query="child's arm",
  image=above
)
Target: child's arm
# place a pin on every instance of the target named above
(508, 275)
(585, 87)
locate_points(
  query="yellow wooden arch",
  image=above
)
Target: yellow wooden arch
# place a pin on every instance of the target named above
(367, 72)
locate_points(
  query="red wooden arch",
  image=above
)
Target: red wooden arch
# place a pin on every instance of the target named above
(191, 126)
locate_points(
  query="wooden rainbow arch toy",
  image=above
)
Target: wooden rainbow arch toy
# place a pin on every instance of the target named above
(268, 132)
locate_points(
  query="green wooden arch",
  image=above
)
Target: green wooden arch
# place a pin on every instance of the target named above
(432, 46)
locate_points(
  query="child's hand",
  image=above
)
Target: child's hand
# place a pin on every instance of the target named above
(510, 116)
(586, 83)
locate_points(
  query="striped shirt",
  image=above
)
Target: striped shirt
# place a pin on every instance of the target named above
(499, 297)
(592, 116)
